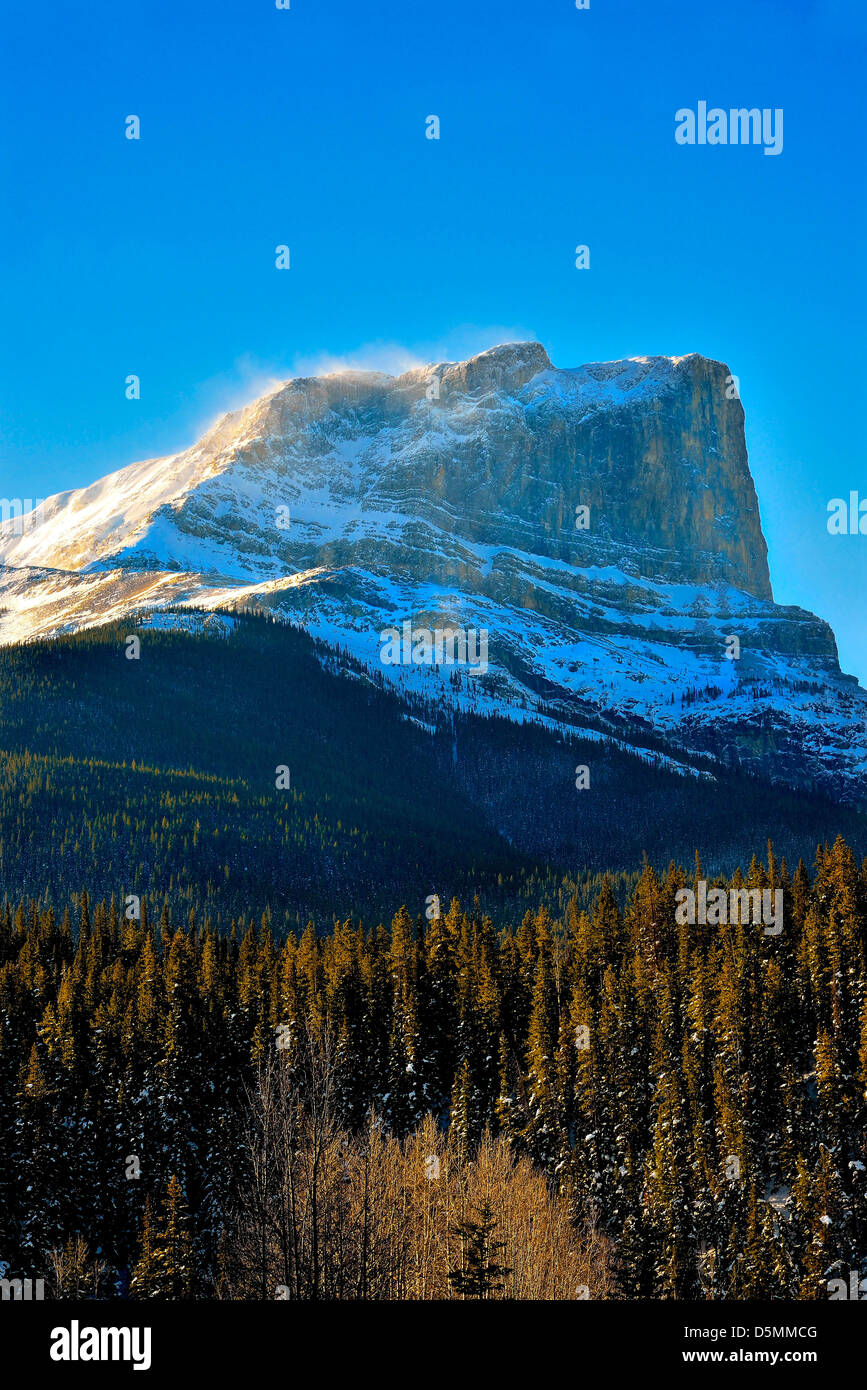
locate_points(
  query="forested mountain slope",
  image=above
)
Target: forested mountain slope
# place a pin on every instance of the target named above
(158, 776)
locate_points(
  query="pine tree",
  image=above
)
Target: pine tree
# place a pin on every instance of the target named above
(165, 1265)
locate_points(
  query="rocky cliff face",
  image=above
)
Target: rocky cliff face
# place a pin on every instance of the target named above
(450, 495)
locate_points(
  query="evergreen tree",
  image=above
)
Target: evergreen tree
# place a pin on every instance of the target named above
(479, 1273)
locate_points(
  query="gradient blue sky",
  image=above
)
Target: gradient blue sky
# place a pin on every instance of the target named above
(306, 127)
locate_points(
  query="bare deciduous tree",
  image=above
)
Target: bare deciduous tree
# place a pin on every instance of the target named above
(324, 1214)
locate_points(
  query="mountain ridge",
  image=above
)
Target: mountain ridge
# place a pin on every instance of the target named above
(600, 522)
(369, 401)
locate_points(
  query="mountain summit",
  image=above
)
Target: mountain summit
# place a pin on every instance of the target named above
(599, 523)
(499, 450)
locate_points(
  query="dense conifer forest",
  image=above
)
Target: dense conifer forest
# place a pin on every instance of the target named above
(596, 1103)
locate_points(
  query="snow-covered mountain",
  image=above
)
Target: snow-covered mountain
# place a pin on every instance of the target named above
(599, 524)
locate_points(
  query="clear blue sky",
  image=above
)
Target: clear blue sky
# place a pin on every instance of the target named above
(306, 127)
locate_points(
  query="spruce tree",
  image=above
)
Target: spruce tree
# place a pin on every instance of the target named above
(479, 1274)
